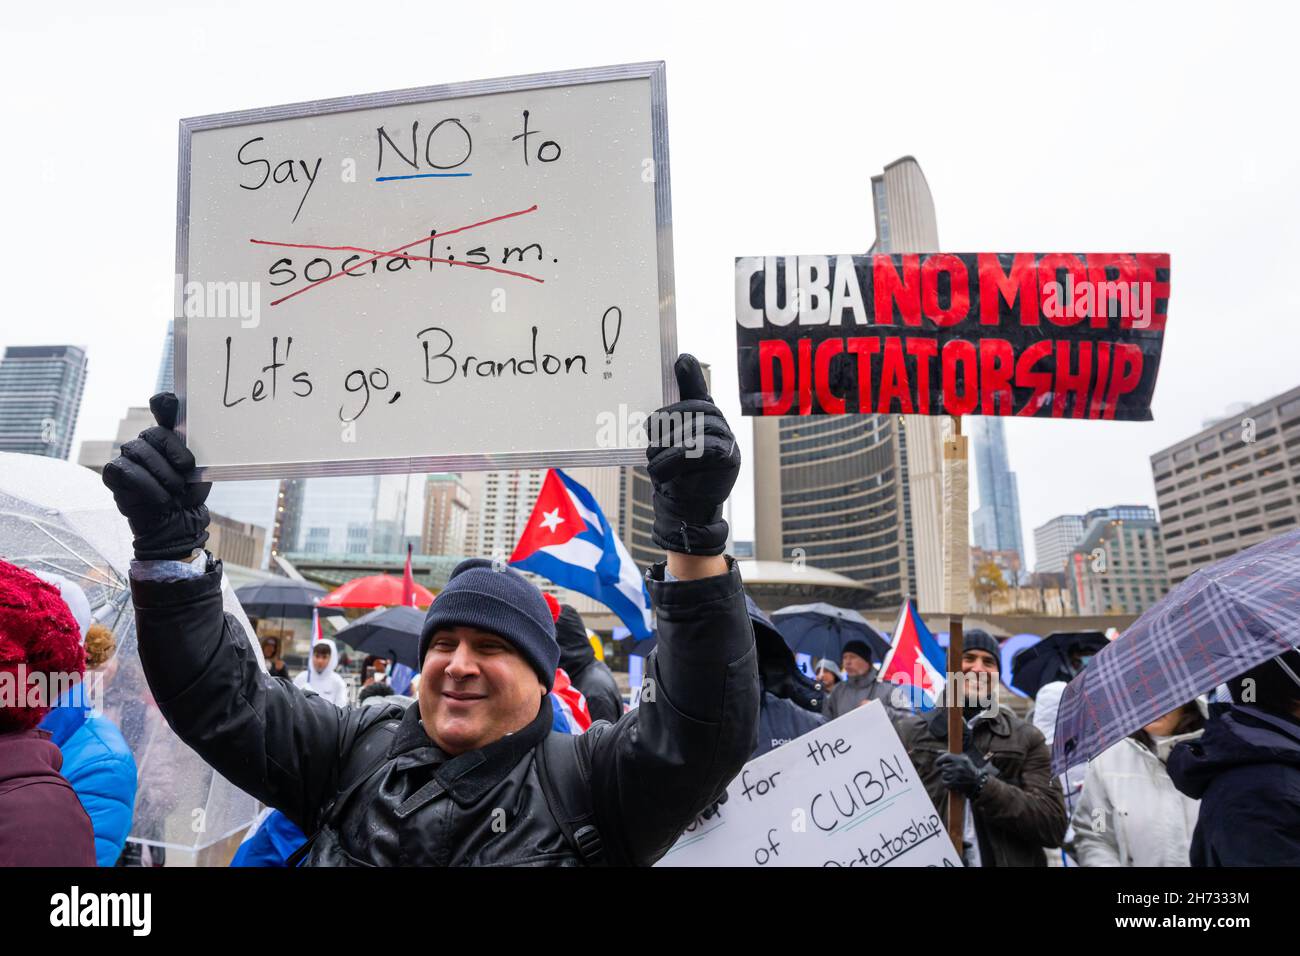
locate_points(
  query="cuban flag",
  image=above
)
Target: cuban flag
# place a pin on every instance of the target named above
(568, 540)
(569, 714)
(915, 658)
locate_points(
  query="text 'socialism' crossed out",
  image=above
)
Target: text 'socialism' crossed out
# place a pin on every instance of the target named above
(399, 253)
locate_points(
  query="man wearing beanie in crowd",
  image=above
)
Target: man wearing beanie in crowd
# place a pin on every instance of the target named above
(42, 822)
(1014, 805)
(860, 684)
(470, 774)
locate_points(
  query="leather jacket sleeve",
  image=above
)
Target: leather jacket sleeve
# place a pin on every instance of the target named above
(279, 743)
(1036, 809)
(658, 767)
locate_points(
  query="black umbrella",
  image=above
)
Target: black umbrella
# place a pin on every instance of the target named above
(1049, 659)
(392, 633)
(292, 599)
(820, 630)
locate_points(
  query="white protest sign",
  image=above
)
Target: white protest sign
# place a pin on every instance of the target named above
(842, 795)
(467, 276)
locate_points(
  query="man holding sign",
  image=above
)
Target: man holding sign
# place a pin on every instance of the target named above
(471, 774)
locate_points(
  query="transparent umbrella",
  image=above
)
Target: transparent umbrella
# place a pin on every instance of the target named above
(57, 516)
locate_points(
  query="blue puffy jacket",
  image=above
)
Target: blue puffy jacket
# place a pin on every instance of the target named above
(99, 765)
(271, 843)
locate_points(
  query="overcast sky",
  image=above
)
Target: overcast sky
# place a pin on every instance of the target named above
(1072, 127)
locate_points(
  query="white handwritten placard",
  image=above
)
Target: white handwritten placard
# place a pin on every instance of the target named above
(842, 795)
(468, 276)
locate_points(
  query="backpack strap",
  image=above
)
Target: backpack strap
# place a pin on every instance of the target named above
(368, 754)
(566, 782)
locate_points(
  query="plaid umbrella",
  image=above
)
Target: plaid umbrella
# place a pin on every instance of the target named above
(1222, 621)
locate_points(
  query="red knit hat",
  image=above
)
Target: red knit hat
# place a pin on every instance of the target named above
(38, 632)
(554, 605)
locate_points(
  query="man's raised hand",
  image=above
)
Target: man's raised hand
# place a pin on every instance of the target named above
(150, 486)
(693, 460)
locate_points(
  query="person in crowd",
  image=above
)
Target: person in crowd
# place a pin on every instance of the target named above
(590, 676)
(42, 823)
(1245, 770)
(374, 670)
(791, 704)
(272, 839)
(828, 674)
(861, 683)
(1014, 806)
(1043, 716)
(419, 786)
(274, 665)
(97, 760)
(320, 674)
(1129, 812)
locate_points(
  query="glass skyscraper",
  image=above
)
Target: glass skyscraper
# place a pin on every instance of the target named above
(40, 395)
(996, 523)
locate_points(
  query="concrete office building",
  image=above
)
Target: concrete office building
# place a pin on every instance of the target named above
(447, 504)
(1119, 565)
(995, 526)
(861, 495)
(1054, 541)
(236, 542)
(637, 516)
(40, 395)
(1231, 485)
(96, 454)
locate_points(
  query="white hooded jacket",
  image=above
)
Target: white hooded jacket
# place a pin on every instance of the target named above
(327, 683)
(1130, 813)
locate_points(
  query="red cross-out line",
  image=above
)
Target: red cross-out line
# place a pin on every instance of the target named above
(396, 252)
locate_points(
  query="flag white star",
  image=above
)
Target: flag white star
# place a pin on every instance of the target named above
(550, 519)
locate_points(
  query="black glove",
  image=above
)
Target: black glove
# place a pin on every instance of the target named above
(713, 807)
(148, 480)
(960, 773)
(691, 483)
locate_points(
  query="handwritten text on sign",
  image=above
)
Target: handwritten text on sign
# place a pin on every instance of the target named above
(842, 795)
(464, 276)
(1049, 335)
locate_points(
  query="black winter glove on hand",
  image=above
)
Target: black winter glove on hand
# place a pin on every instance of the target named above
(148, 480)
(960, 773)
(693, 463)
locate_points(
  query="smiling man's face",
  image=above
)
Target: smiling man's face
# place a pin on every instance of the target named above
(474, 689)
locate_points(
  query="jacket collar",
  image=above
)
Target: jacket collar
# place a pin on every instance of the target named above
(470, 775)
(999, 725)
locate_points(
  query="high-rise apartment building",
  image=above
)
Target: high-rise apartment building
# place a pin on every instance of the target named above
(40, 396)
(1231, 485)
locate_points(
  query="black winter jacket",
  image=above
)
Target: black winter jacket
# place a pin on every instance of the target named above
(1245, 770)
(646, 777)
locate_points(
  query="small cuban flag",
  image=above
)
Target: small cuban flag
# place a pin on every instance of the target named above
(568, 540)
(915, 659)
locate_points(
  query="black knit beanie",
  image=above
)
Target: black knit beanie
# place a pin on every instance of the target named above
(977, 640)
(501, 600)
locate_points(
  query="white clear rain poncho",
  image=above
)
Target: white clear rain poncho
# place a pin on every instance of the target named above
(58, 517)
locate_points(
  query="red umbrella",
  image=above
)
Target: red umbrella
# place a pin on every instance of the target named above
(378, 590)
